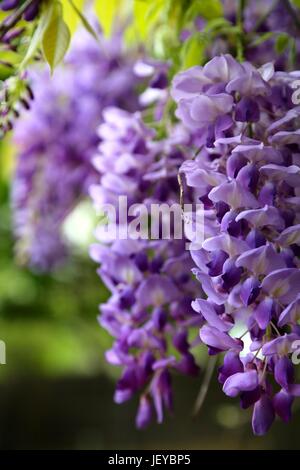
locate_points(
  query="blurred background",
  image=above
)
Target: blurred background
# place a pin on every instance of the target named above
(56, 389)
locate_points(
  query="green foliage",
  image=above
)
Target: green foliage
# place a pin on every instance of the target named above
(292, 53)
(83, 19)
(193, 50)
(208, 9)
(146, 15)
(110, 10)
(72, 12)
(38, 34)
(282, 42)
(13, 91)
(296, 3)
(51, 32)
(159, 24)
(262, 38)
(56, 37)
(9, 59)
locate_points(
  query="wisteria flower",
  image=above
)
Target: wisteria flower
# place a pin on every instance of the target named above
(149, 312)
(57, 139)
(248, 266)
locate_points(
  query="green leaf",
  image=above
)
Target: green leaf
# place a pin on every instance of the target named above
(83, 20)
(208, 9)
(146, 15)
(296, 3)
(107, 11)
(264, 37)
(56, 37)
(70, 16)
(217, 24)
(292, 53)
(164, 37)
(45, 17)
(193, 51)
(282, 43)
(10, 56)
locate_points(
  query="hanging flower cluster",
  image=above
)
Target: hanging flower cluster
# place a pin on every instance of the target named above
(149, 312)
(15, 96)
(15, 91)
(56, 139)
(247, 174)
(30, 12)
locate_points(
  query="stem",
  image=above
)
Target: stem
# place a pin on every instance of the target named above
(240, 11)
(240, 24)
(205, 385)
(275, 328)
(247, 331)
(256, 354)
(14, 18)
(264, 370)
(181, 197)
(250, 130)
(197, 152)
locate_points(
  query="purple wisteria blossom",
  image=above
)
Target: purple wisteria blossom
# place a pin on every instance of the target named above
(57, 138)
(149, 312)
(247, 174)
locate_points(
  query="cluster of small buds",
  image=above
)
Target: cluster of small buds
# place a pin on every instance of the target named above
(149, 312)
(30, 12)
(247, 174)
(15, 94)
(12, 30)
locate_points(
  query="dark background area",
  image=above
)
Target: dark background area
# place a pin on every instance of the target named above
(78, 413)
